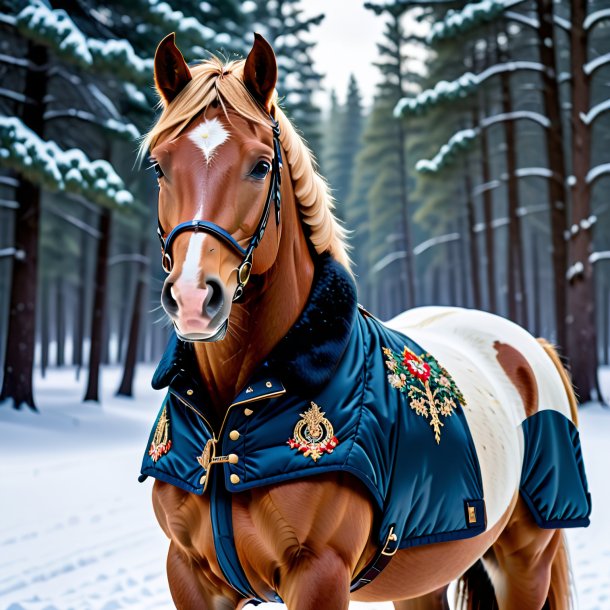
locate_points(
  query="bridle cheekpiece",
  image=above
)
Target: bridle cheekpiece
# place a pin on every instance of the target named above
(245, 267)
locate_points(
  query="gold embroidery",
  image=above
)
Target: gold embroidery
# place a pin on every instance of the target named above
(161, 443)
(431, 391)
(313, 434)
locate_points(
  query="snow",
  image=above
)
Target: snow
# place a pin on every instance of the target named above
(458, 22)
(575, 270)
(466, 84)
(599, 256)
(596, 172)
(594, 18)
(457, 142)
(56, 169)
(588, 118)
(77, 531)
(596, 63)
(55, 29)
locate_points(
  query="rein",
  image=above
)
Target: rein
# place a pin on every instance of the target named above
(207, 226)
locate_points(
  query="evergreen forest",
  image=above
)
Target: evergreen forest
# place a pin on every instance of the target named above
(477, 177)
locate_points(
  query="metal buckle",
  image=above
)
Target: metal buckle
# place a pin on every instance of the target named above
(166, 262)
(392, 537)
(243, 273)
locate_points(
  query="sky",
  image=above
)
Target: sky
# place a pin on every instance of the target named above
(347, 40)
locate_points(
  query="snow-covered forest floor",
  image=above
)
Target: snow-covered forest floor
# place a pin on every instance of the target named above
(77, 530)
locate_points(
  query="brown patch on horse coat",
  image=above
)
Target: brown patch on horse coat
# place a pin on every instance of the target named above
(520, 372)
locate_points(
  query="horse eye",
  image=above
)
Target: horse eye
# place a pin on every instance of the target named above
(260, 171)
(158, 170)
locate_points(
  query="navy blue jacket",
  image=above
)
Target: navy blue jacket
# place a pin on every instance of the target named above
(323, 402)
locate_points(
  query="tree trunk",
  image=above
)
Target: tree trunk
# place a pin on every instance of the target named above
(536, 322)
(411, 297)
(60, 330)
(99, 307)
(492, 303)
(554, 146)
(81, 306)
(581, 332)
(473, 249)
(515, 271)
(21, 339)
(126, 387)
(44, 315)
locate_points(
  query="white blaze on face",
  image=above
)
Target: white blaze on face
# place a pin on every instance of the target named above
(209, 136)
(190, 268)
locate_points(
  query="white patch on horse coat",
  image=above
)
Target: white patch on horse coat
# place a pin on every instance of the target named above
(191, 266)
(209, 136)
(463, 341)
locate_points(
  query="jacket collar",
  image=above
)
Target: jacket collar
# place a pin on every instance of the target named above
(306, 358)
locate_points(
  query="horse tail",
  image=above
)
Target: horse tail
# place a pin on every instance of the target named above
(474, 590)
(551, 352)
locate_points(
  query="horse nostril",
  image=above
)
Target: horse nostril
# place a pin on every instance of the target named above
(214, 300)
(167, 300)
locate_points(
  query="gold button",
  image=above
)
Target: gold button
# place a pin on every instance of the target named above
(269, 384)
(248, 412)
(202, 480)
(234, 479)
(234, 435)
(233, 458)
(189, 392)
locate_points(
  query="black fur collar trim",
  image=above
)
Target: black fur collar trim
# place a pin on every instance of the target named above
(308, 355)
(306, 358)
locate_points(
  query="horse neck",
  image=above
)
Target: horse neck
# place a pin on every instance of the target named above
(257, 324)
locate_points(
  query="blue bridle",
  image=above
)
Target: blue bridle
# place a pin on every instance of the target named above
(245, 267)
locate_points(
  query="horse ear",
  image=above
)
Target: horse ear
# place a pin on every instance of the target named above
(260, 72)
(171, 72)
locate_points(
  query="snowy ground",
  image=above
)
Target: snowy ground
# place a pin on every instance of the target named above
(77, 530)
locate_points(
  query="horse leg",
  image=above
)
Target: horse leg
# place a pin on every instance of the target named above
(528, 565)
(316, 582)
(190, 590)
(436, 600)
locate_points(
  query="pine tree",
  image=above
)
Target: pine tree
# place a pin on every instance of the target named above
(390, 210)
(96, 67)
(342, 141)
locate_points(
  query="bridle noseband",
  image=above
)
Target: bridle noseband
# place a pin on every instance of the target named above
(245, 267)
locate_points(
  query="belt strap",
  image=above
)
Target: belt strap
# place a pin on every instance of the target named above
(379, 562)
(224, 542)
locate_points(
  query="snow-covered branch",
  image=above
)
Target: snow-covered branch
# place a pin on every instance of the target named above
(18, 254)
(465, 85)
(599, 256)
(463, 139)
(75, 222)
(532, 22)
(124, 130)
(596, 172)
(9, 204)
(55, 29)
(435, 241)
(483, 188)
(598, 109)
(474, 14)
(516, 115)
(458, 142)
(59, 170)
(596, 63)
(594, 18)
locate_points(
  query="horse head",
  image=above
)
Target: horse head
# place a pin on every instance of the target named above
(218, 182)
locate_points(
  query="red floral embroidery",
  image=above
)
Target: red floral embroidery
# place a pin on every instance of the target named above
(416, 365)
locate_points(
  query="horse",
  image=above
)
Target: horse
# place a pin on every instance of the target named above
(240, 269)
